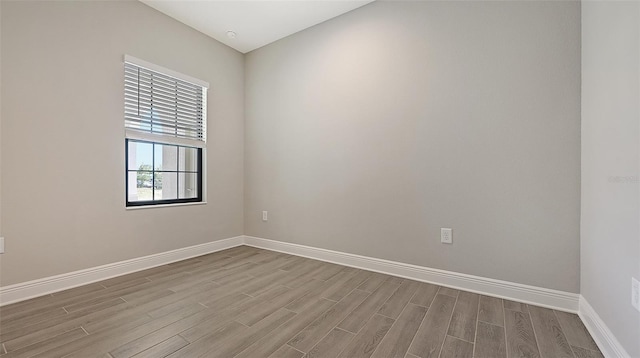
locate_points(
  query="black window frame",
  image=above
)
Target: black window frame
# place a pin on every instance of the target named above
(199, 172)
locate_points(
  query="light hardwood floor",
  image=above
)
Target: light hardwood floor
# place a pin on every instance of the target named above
(247, 302)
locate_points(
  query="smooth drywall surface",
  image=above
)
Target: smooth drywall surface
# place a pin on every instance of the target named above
(610, 236)
(63, 181)
(1, 136)
(368, 133)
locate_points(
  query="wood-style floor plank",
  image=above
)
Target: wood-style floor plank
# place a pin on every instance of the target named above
(237, 344)
(359, 316)
(12, 323)
(211, 341)
(551, 339)
(425, 294)
(396, 303)
(465, 314)
(374, 281)
(229, 347)
(575, 331)
(521, 340)
(321, 290)
(267, 307)
(102, 342)
(329, 270)
(247, 302)
(20, 335)
(31, 335)
(224, 314)
(430, 336)
(331, 345)
(313, 333)
(580, 352)
(274, 340)
(287, 352)
(48, 344)
(448, 292)
(456, 348)
(490, 341)
(365, 342)
(491, 310)
(397, 341)
(336, 293)
(164, 348)
(515, 306)
(197, 326)
(147, 341)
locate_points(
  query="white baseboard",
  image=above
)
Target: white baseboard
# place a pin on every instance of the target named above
(606, 341)
(554, 299)
(26, 290)
(559, 300)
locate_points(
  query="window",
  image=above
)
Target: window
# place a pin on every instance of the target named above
(163, 173)
(165, 135)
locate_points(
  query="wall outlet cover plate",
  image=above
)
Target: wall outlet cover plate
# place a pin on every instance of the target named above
(446, 235)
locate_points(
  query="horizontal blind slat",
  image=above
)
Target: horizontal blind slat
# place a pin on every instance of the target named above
(164, 88)
(154, 93)
(167, 107)
(160, 124)
(156, 103)
(159, 83)
(167, 121)
(168, 134)
(145, 71)
(158, 112)
(144, 83)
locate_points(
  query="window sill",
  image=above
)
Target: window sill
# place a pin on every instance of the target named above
(163, 206)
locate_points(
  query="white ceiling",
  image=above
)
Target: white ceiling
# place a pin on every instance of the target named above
(255, 22)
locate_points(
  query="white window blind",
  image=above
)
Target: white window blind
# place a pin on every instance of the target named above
(163, 105)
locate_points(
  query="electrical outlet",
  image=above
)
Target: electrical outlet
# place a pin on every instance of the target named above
(265, 215)
(446, 236)
(1, 245)
(635, 293)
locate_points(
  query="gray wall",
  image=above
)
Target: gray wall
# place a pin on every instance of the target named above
(63, 136)
(368, 133)
(610, 236)
(1, 138)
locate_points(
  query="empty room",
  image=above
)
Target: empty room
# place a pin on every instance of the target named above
(327, 178)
